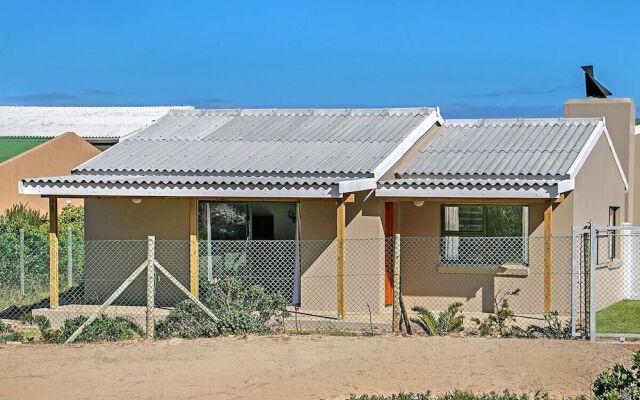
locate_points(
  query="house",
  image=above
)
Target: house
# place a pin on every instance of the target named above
(309, 197)
(25, 157)
(36, 141)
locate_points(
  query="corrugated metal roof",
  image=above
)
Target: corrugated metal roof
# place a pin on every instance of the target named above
(344, 141)
(86, 122)
(495, 149)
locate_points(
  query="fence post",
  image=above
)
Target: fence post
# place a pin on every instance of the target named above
(22, 261)
(151, 289)
(574, 266)
(396, 284)
(341, 255)
(209, 257)
(69, 257)
(593, 243)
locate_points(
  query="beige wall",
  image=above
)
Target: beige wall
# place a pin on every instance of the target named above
(52, 158)
(620, 119)
(364, 250)
(116, 231)
(599, 187)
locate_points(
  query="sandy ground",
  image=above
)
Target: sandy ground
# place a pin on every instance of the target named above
(299, 367)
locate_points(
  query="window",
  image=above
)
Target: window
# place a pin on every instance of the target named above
(244, 240)
(244, 221)
(613, 221)
(484, 234)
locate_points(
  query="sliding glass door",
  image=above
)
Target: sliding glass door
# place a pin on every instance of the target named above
(255, 242)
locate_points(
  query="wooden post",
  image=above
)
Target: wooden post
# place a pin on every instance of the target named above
(151, 287)
(548, 214)
(54, 290)
(193, 247)
(395, 320)
(340, 261)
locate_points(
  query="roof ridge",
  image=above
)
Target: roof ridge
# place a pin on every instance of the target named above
(522, 121)
(303, 111)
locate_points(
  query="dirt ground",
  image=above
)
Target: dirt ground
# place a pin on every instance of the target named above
(299, 367)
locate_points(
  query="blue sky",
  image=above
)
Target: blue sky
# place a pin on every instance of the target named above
(472, 58)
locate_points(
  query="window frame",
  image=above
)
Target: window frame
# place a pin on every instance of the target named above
(614, 213)
(485, 218)
(525, 230)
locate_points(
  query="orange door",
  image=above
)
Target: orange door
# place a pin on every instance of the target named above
(388, 254)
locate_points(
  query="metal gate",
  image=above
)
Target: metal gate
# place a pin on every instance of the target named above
(605, 290)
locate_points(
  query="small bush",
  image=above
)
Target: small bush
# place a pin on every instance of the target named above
(618, 382)
(456, 395)
(553, 328)
(239, 309)
(448, 321)
(47, 333)
(104, 328)
(4, 328)
(8, 334)
(500, 323)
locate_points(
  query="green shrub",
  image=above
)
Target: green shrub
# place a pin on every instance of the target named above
(552, 329)
(20, 216)
(104, 328)
(4, 328)
(239, 309)
(8, 334)
(500, 322)
(618, 382)
(448, 321)
(47, 333)
(36, 251)
(456, 395)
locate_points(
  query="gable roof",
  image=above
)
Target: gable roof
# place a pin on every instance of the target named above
(272, 152)
(498, 158)
(86, 122)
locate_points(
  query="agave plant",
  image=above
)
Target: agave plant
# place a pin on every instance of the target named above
(448, 321)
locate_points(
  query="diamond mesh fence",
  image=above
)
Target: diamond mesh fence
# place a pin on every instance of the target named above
(360, 285)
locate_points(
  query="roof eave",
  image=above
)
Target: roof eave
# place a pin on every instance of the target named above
(543, 191)
(227, 191)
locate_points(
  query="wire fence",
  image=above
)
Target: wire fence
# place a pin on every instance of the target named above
(473, 285)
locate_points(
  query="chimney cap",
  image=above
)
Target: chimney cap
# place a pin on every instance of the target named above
(592, 86)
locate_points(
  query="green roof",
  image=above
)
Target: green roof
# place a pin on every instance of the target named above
(12, 146)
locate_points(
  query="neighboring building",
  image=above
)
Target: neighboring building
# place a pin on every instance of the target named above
(31, 142)
(318, 177)
(101, 126)
(58, 155)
